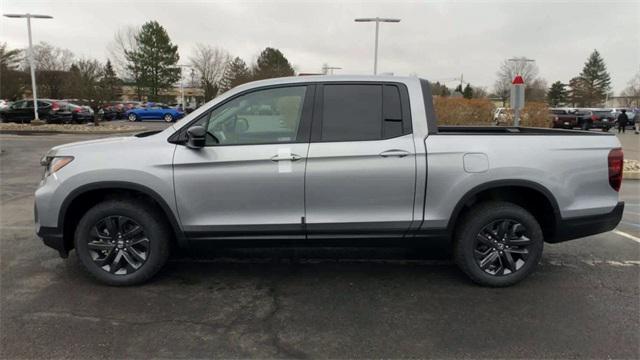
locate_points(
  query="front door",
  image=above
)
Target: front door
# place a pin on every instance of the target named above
(248, 181)
(361, 169)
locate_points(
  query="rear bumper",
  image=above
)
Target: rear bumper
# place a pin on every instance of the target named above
(574, 228)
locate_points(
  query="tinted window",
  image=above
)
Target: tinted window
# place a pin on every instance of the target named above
(352, 112)
(392, 112)
(268, 116)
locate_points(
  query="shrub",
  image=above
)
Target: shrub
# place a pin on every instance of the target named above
(460, 111)
(534, 114)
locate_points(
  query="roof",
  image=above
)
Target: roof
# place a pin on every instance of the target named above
(325, 78)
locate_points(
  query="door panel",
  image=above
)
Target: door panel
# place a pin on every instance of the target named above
(230, 191)
(352, 190)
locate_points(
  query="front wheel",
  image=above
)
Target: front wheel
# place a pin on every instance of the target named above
(133, 117)
(498, 244)
(168, 118)
(121, 242)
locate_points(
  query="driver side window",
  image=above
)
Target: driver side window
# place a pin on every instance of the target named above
(268, 116)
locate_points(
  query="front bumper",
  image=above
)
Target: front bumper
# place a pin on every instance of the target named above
(53, 237)
(574, 228)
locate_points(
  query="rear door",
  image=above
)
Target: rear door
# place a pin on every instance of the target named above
(360, 179)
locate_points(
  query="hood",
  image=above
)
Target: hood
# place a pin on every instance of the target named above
(80, 144)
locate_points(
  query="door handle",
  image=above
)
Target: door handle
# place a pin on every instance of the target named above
(396, 153)
(292, 157)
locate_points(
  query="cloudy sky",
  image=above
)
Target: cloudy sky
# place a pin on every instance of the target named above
(437, 40)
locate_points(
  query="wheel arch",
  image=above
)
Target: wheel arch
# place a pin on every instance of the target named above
(84, 197)
(532, 196)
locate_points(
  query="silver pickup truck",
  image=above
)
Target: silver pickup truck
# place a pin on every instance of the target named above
(307, 160)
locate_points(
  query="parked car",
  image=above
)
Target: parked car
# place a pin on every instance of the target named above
(500, 116)
(339, 159)
(81, 114)
(50, 111)
(4, 104)
(563, 118)
(603, 119)
(154, 111)
(570, 118)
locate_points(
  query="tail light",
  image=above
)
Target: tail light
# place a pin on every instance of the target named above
(55, 106)
(615, 160)
(594, 118)
(555, 118)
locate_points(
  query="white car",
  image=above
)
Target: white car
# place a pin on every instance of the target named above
(4, 104)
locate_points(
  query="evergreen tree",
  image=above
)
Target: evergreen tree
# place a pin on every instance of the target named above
(236, 73)
(154, 59)
(467, 93)
(109, 83)
(439, 89)
(270, 64)
(595, 80)
(576, 92)
(557, 94)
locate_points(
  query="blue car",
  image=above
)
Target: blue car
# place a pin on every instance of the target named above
(154, 111)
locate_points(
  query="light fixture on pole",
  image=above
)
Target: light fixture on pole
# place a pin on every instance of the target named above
(377, 20)
(31, 62)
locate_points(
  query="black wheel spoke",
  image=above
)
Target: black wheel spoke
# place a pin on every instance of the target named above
(503, 229)
(106, 260)
(112, 225)
(115, 264)
(139, 256)
(100, 245)
(521, 241)
(133, 232)
(484, 239)
(489, 259)
(130, 263)
(516, 251)
(511, 265)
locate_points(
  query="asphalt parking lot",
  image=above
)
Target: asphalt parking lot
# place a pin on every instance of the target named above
(583, 302)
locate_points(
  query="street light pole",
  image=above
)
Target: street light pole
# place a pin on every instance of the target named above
(181, 66)
(31, 62)
(377, 20)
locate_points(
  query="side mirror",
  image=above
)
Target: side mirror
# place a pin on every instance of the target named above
(196, 137)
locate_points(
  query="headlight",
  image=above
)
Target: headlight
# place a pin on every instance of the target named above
(54, 163)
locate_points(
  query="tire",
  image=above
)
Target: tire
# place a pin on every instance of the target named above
(584, 126)
(132, 117)
(472, 248)
(168, 118)
(124, 260)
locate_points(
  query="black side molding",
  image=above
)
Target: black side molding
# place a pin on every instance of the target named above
(52, 237)
(574, 228)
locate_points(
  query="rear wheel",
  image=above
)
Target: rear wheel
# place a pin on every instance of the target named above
(121, 242)
(498, 244)
(168, 117)
(133, 117)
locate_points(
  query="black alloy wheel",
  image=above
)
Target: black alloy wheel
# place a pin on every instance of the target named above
(501, 247)
(118, 245)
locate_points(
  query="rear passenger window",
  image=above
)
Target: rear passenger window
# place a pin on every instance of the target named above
(352, 112)
(355, 112)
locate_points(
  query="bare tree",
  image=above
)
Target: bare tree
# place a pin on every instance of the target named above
(508, 70)
(52, 65)
(631, 93)
(209, 63)
(123, 41)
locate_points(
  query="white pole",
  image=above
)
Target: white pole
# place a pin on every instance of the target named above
(33, 72)
(375, 54)
(182, 91)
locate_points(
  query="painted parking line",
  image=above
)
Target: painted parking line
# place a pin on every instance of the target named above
(628, 236)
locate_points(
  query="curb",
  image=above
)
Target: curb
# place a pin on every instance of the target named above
(635, 175)
(56, 132)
